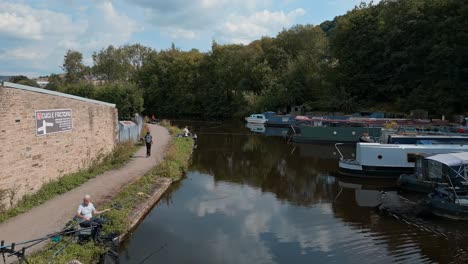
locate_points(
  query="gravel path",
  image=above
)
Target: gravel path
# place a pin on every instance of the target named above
(54, 214)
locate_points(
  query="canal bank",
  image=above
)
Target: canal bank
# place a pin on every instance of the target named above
(129, 187)
(134, 201)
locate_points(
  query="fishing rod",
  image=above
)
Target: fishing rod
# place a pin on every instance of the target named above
(20, 254)
(154, 252)
(59, 250)
(65, 232)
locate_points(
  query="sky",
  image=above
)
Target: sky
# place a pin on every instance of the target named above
(35, 34)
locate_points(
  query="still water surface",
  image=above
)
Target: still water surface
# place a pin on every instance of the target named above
(251, 198)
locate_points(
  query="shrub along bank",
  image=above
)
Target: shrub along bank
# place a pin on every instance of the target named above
(173, 167)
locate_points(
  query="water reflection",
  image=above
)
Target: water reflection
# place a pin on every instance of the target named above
(255, 199)
(256, 128)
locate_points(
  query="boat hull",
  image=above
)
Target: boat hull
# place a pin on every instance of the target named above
(410, 182)
(334, 134)
(354, 169)
(255, 121)
(443, 208)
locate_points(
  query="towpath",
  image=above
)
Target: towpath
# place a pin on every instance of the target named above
(54, 214)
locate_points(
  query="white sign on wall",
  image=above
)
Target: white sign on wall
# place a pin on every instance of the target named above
(53, 121)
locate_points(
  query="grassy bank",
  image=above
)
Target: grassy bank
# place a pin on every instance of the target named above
(119, 156)
(173, 166)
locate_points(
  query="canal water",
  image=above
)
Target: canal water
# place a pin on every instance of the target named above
(254, 197)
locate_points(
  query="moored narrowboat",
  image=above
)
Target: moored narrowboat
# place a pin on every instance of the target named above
(335, 132)
(375, 160)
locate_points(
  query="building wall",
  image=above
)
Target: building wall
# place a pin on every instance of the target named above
(28, 161)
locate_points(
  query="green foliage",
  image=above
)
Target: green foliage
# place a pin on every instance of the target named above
(86, 253)
(120, 64)
(82, 88)
(21, 79)
(126, 95)
(117, 158)
(409, 53)
(73, 66)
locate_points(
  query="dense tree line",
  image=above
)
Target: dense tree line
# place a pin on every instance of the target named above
(396, 55)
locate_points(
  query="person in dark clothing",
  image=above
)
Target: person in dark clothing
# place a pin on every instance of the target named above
(149, 142)
(85, 218)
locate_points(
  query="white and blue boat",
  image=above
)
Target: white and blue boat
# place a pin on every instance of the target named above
(256, 119)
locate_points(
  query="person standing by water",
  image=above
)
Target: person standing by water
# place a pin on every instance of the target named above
(149, 141)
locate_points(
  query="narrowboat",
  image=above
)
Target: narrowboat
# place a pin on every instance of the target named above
(376, 160)
(335, 132)
(275, 120)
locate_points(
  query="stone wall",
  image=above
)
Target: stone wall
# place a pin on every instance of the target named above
(28, 161)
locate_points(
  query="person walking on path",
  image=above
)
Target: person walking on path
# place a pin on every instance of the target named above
(149, 142)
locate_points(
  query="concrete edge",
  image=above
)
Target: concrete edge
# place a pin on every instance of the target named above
(147, 206)
(44, 91)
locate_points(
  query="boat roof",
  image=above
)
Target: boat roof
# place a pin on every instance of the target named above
(451, 159)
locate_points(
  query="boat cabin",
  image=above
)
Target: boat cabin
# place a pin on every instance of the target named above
(452, 167)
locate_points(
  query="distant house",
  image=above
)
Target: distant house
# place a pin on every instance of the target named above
(42, 84)
(43, 81)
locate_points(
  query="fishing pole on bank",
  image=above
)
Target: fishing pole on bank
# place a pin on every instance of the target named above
(154, 252)
(9, 249)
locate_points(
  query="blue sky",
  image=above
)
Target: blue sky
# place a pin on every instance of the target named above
(34, 35)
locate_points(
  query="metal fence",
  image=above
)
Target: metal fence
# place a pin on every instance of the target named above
(130, 130)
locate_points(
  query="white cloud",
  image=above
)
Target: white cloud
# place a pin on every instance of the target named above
(244, 29)
(38, 38)
(23, 54)
(236, 21)
(179, 33)
(22, 21)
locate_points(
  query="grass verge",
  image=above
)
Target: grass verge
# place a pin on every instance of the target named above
(173, 167)
(116, 159)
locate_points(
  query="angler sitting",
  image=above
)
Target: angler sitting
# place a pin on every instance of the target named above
(84, 217)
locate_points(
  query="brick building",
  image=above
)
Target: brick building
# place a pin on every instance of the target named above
(35, 150)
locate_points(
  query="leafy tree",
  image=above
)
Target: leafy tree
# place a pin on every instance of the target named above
(127, 97)
(81, 88)
(73, 66)
(55, 82)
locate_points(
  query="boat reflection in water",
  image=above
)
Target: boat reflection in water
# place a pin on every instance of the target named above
(269, 131)
(363, 197)
(256, 128)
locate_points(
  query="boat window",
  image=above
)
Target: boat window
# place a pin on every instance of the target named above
(411, 157)
(379, 156)
(435, 169)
